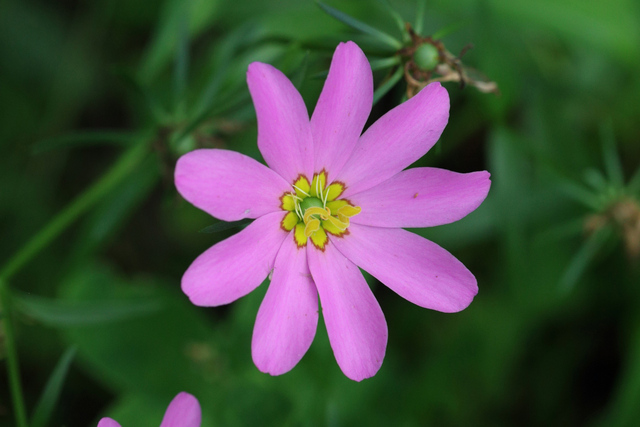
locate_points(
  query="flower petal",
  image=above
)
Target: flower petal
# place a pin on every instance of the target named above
(284, 134)
(355, 322)
(236, 266)
(183, 411)
(342, 109)
(288, 316)
(229, 185)
(421, 197)
(415, 268)
(397, 139)
(108, 422)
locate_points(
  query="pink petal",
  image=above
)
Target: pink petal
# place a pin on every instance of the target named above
(397, 139)
(183, 411)
(421, 197)
(236, 266)
(355, 323)
(229, 185)
(108, 422)
(342, 109)
(284, 134)
(415, 268)
(288, 317)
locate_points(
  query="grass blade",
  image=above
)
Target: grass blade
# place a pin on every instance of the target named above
(79, 139)
(361, 26)
(222, 226)
(181, 64)
(51, 393)
(421, 7)
(62, 313)
(387, 85)
(394, 14)
(382, 63)
(610, 155)
(583, 258)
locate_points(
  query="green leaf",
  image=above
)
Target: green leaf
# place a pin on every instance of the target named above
(583, 258)
(382, 63)
(200, 14)
(224, 56)
(381, 36)
(222, 226)
(634, 183)
(300, 74)
(116, 207)
(449, 29)
(579, 193)
(159, 354)
(181, 62)
(387, 85)
(395, 15)
(83, 139)
(596, 180)
(612, 164)
(421, 7)
(58, 312)
(51, 393)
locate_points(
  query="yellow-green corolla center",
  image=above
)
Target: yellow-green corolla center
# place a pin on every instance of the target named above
(315, 210)
(311, 202)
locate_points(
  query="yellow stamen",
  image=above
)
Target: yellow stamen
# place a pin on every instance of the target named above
(347, 211)
(341, 225)
(314, 210)
(311, 227)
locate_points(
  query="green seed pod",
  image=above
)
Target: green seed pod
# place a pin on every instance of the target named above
(426, 57)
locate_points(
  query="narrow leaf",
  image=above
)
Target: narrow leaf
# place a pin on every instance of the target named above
(610, 154)
(634, 183)
(421, 7)
(383, 37)
(83, 138)
(300, 74)
(449, 29)
(382, 63)
(387, 85)
(224, 56)
(57, 313)
(596, 180)
(583, 258)
(578, 193)
(222, 226)
(181, 62)
(51, 393)
(394, 14)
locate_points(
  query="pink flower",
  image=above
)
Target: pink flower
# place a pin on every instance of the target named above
(331, 200)
(183, 411)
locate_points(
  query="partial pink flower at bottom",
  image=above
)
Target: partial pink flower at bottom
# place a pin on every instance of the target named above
(183, 411)
(332, 199)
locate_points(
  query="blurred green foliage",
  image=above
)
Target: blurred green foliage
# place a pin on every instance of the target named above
(553, 337)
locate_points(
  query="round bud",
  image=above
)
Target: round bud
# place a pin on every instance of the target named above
(426, 57)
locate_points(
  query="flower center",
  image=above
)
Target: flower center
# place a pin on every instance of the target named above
(315, 210)
(310, 202)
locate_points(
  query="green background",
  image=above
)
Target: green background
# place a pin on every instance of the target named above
(120, 89)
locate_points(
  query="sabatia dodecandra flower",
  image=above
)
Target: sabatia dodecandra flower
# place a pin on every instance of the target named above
(331, 200)
(183, 411)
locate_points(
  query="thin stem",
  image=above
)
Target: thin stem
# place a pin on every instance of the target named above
(127, 162)
(13, 369)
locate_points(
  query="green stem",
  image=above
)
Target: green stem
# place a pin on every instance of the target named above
(127, 162)
(12, 357)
